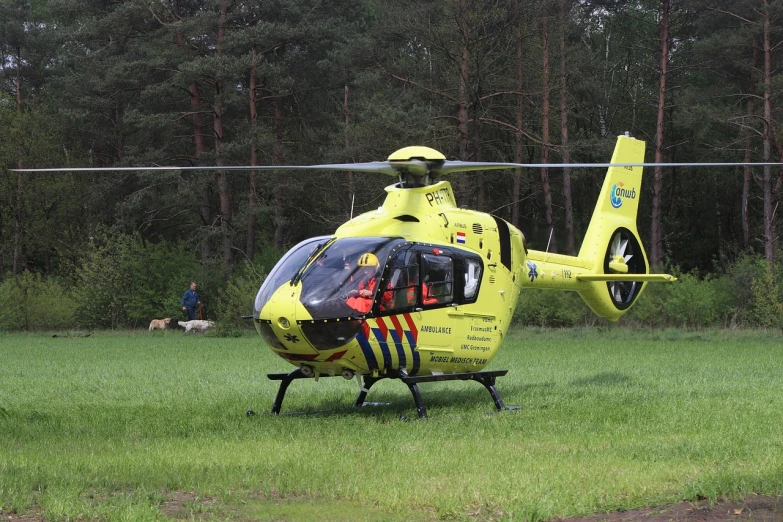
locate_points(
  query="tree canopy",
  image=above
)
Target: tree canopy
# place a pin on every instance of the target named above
(195, 82)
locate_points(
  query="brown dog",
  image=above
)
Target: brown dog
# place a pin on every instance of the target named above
(160, 323)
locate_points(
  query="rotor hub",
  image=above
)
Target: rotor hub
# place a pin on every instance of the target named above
(416, 164)
(416, 152)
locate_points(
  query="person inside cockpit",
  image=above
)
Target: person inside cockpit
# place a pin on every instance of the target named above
(365, 281)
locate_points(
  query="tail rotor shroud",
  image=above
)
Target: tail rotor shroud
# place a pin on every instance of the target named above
(624, 251)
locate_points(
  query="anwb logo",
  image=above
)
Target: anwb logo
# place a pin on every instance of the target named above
(619, 192)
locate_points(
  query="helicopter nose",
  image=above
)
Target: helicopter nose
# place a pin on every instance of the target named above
(278, 326)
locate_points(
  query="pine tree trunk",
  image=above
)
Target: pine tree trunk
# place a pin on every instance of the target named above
(280, 199)
(517, 187)
(347, 121)
(656, 247)
(17, 261)
(603, 108)
(567, 197)
(477, 181)
(2, 244)
(552, 243)
(747, 175)
(222, 176)
(769, 227)
(198, 137)
(462, 100)
(251, 196)
(17, 267)
(205, 208)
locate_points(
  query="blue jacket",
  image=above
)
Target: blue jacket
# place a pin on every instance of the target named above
(189, 298)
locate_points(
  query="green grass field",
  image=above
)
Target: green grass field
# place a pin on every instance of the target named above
(139, 426)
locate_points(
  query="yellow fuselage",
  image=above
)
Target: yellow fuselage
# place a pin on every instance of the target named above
(447, 338)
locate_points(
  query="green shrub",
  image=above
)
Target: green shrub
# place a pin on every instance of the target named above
(237, 297)
(766, 309)
(33, 302)
(738, 284)
(748, 294)
(650, 308)
(688, 302)
(125, 281)
(696, 302)
(12, 316)
(551, 308)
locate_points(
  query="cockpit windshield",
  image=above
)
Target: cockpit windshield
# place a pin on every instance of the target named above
(289, 265)
(343, 279)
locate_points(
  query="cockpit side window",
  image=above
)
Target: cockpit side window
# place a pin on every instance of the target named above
(437, 286)
(401, 290)
(415, 277)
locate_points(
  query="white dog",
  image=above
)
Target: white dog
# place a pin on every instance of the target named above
(196, 325)
(160, 323)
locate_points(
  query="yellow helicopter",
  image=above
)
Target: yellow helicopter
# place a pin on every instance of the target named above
(423, 290)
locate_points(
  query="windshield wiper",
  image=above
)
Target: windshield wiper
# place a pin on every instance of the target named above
(315, 253)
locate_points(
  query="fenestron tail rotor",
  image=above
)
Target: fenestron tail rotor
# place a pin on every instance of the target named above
(624, 256)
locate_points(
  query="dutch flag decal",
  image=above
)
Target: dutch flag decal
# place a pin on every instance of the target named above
(461, 238)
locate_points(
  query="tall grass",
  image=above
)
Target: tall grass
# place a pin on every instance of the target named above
(121, 426)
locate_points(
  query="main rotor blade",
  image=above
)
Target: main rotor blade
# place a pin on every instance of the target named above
(375, 166)
(465, 166)
(393, 168)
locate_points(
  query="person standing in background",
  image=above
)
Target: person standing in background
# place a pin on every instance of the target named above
(189, 301)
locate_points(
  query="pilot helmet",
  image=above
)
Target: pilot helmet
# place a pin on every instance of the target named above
(369, 260)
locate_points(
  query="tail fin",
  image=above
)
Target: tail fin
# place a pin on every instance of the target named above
(612, 245)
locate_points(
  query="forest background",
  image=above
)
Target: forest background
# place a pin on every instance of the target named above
(186, 82)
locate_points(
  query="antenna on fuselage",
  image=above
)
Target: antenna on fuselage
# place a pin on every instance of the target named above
(551, 231)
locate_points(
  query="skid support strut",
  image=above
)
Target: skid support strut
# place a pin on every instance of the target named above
(485, 378)
(285, 379)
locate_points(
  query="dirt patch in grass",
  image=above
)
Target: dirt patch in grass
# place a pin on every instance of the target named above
(9, 517)
(181, 505)
(186, 505)
(753, 509)
(756, 508)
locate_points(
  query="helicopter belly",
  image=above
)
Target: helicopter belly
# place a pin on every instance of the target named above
(418, 342)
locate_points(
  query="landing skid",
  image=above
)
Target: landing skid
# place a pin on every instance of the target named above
(485, 378)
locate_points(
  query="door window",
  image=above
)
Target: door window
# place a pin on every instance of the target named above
(472, 278)
(437, 284)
